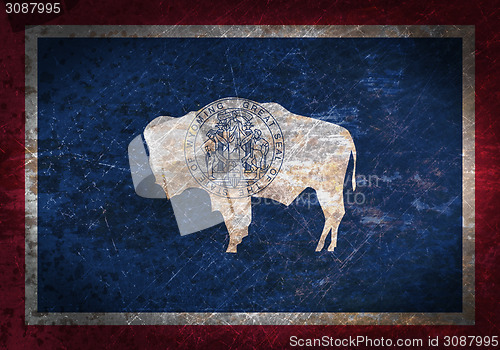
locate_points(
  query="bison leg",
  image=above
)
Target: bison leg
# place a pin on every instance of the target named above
(236, 235)
(326, 230)
(237, 214)
(237, 225)
(333, 209)
(331, 225)
(237, 229)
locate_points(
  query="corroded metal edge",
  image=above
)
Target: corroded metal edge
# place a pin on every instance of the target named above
(466, 317)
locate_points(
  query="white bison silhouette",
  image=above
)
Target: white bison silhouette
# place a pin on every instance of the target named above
(317, 155)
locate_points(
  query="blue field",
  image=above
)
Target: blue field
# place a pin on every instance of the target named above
(102, 248)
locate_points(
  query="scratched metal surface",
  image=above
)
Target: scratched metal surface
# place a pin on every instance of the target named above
(99, 254)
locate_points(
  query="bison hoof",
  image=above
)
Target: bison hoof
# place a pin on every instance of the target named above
(232, 248)
(320, 245)
(233, 244)
(331, 247)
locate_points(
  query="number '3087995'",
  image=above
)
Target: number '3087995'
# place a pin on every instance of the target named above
(32, 7)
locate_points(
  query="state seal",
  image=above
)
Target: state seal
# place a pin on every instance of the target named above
(234, 147)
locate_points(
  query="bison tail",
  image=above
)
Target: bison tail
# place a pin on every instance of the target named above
(353, 152)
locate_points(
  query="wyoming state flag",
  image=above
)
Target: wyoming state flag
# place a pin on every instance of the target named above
(113, 237)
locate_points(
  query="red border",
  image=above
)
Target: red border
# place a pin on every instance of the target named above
(15, 335)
